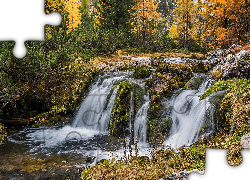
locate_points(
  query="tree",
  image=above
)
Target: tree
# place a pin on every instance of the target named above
(74, 16)
(115, 14)
(85, 6)
(226, 22)
(187, 18)
(146, 17)
(173, 32)
(69, 10)
(166, 8)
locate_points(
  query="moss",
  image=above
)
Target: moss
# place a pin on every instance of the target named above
(149, 82)
(154, 117)
(103, 161)
(234, 107)
(3, 134)
(139, 93)
(217, 74)
(167, 78)
(161, 164)
(109, 96)
(48, 119)
(142, 72)
(194, 83)
(166, 125)
(119, 121)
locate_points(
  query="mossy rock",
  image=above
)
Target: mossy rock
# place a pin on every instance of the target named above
(119, 120)
(142, 72)
(234, 105)
(139, 92)
(166, 126)
(90, 159)
(194, 83)
(102, 161)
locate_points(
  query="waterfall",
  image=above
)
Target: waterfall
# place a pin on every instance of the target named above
(140, 124)
(92, 114)
(190, 117)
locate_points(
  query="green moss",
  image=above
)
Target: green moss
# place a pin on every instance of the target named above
(142, 72)
(119, 121)
(168, 77)
(166, 125)
(3, 134)
(227, 85)
(109, 96)
(194, 83)
(48, 119)
(149, 82)
(139, 93)
(154, 118)
(234, 107)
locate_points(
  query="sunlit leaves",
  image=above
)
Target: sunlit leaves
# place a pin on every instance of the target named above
(74, 17)
(187, 17)
(226, 22)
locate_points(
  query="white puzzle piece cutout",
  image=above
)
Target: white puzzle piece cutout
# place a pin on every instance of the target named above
(217, 167)
(23, 20)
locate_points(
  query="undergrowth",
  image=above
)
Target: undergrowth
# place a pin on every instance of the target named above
(3, 134)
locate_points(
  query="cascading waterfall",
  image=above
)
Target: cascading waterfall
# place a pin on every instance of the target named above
(92, 113)
(189, 115)
(140, 124)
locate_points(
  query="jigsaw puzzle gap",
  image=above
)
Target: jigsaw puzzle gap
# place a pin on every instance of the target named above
(19, 49)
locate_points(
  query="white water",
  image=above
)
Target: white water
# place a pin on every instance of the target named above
(140, 124)
(53, 137)
(92, 113)
(188, 116)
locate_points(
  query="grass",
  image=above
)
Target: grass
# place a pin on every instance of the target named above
(121, 55)
(160, 165)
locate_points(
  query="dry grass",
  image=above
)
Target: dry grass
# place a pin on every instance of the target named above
(121, 55)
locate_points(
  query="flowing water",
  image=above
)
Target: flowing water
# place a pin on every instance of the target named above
(88, 136)
(189, 115)
(140, 127)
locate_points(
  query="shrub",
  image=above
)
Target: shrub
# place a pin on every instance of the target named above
(3, 134)
(142, 72)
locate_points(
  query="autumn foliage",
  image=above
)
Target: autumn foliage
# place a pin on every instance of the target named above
(226, 22)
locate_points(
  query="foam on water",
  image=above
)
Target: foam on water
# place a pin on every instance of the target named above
(140, 124)
(188, 116)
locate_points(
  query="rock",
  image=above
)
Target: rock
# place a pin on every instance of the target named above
(194, 83)
(245, 141)
(230, 64)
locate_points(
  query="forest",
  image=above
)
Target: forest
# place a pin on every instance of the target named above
(47, 86)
